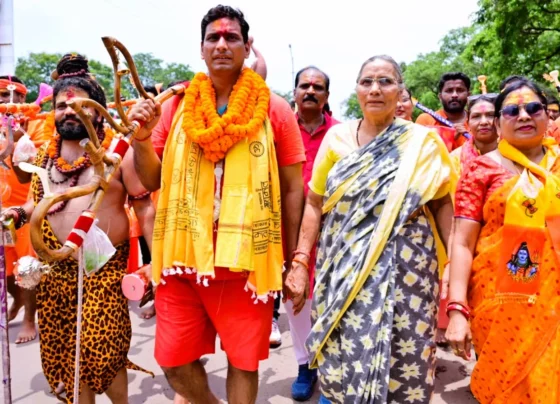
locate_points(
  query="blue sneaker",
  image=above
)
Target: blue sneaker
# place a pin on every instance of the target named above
(302, 388)
(323, 400)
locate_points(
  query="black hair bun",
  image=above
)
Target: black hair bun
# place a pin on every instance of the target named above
(71, 65)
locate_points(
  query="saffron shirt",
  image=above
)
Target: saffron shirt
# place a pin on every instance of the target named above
(287, 141)
(16, 194)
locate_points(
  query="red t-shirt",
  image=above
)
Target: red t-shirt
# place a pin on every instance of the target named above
(479, 181)
(287, 141)
(312, 142)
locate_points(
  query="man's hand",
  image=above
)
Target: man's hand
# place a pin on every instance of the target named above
(146, 271)
(296, 286)
(460, 130)
(259, 65)
(9, 214)
(148, 112)
(18, 134)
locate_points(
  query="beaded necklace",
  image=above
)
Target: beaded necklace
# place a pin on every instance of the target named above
(72, 171)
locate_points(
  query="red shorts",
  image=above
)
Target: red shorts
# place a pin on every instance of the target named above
(189, 316)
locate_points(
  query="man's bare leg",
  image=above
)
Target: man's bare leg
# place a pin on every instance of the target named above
(118, 390)
(87, 396)
(242, 386)
(191, 382)
(28, 330)
(16, 293)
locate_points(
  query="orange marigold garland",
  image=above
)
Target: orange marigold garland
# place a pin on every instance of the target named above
(82, 162)
(245, 115)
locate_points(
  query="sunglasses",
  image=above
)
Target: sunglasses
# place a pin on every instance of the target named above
(532, 109)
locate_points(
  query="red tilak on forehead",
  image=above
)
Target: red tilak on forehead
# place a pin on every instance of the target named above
(70, 93)
(222, 26)
(312, 81)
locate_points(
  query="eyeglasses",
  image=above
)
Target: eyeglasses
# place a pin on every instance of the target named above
(382, 81)
(532, 109)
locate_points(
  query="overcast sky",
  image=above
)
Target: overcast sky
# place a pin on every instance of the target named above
(336, 36)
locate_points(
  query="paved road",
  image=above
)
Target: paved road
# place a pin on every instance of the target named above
(29, 386)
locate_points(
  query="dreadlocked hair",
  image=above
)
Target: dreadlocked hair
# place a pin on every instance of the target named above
(73, 71)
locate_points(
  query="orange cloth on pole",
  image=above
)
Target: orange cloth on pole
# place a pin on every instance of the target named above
(427, 120)
(134, 233)
(515, 325)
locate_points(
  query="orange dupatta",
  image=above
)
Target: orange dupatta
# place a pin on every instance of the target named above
(516, 309)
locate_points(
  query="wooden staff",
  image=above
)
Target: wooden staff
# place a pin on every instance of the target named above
(482, 81)
(104, 166)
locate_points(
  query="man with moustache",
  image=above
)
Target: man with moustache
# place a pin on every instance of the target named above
(453, 92)
(311, 95)
(106, 328)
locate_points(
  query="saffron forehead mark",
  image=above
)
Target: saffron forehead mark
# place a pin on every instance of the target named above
(521, 96)
(222, 26)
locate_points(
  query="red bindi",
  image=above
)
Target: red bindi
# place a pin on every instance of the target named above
(221, 27)
(70, 94)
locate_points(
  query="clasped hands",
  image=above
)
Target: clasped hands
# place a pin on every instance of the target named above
(296, 282)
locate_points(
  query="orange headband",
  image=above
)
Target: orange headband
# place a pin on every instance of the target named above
(20, 88)
(553, 107)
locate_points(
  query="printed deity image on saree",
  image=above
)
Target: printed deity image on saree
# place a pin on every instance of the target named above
(521, 267)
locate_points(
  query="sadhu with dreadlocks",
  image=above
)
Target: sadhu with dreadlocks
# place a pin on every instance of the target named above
(106, 329)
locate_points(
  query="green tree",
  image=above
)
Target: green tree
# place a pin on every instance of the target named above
(104, 76)
(519, 36)
(153, 70)
(352, 108)
(36, 69)
(288, 95)
(422, 75)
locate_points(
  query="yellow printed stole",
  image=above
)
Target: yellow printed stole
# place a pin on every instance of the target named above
(532, 208)
(249, 230)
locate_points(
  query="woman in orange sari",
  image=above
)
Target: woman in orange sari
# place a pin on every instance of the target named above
(484, 139)
(503, 262)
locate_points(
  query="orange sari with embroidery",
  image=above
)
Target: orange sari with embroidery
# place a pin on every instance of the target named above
(515, 324)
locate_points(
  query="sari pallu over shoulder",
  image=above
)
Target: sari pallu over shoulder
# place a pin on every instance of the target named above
(520, 314)
(370, 194)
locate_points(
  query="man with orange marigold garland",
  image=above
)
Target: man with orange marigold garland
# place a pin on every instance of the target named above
(228, 155)
(15, 193)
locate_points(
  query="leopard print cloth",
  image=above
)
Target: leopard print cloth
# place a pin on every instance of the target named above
(106, 328)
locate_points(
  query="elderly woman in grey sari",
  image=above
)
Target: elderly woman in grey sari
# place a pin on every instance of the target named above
(380, 188)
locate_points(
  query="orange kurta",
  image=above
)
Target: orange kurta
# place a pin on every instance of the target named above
(16, 194)
(516, 335)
